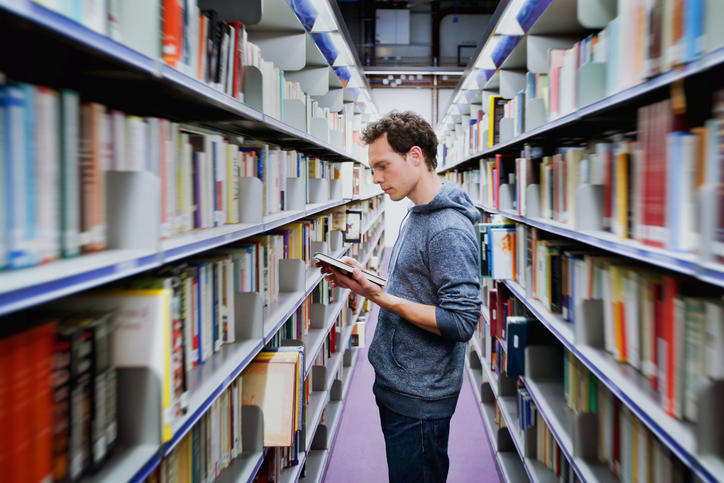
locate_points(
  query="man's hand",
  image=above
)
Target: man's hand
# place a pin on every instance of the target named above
(355, 281)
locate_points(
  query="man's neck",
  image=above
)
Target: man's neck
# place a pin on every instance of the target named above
(427, 187)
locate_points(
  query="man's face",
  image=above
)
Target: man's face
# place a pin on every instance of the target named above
(395, 174)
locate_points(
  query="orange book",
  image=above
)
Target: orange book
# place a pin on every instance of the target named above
(20, 370)
(172, 31)
(42, 340)
(201, 74)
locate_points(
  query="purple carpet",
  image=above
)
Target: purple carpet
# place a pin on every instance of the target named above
(359, 452)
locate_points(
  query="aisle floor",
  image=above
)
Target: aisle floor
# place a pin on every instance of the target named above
(359, 452)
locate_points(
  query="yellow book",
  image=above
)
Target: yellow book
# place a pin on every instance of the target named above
(184, 459)
(621, 223)
(492, 120)
(617, 278)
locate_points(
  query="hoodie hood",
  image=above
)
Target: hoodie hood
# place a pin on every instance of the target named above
(450, 196)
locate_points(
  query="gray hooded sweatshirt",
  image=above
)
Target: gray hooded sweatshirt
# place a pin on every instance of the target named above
(434, 262)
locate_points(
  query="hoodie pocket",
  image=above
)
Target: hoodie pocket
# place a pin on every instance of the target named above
(393, 349)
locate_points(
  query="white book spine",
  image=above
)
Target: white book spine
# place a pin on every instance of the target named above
(94, 15)
(154, 143)
(118, 131)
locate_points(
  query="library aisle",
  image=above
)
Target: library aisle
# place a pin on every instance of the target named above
(359, 452)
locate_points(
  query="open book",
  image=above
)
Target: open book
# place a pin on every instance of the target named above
(336, 263)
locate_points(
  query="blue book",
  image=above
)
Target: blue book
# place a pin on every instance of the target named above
(516, 340)
(693, 29)
(19, 161)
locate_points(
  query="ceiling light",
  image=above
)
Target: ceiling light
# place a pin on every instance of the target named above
(403, 77)
(385, 81)
(419, 76)
(391, 77)
(444, 77)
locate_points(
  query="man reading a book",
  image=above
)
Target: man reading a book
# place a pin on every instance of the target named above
(430, 305)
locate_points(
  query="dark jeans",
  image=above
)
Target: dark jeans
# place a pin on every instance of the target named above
(416, 448)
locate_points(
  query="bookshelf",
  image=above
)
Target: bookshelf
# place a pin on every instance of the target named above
(613, 91)
(135, 79)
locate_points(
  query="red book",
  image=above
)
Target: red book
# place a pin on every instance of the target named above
(4, 404)
(500, 312)
(615, 464)
(667, 344)
(42, 340)
(20, 373)
(493, 307)
(172, 31)
(239, 68)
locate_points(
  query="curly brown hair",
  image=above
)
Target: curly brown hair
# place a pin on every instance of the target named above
(405, 130)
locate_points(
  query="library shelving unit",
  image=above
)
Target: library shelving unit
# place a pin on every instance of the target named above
(71, 53)
(514, 49)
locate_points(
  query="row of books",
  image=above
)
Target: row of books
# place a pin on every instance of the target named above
(59, 151)
(190, 305)
(661, 188)
(660, 324)
(274, 375)
(58, 408)
(629, 449)
(213, 443)
(641, 42)
(546, 449)
(618, 438)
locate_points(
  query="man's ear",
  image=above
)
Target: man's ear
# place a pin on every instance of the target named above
(416, 156)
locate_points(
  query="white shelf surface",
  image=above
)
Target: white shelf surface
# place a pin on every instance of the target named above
(702, 64)
(315, 337)
(243, 469)
(317, 402)
(31, 286)
(321, 398)
(374, 219)
(684, 263)
(276, 315)
(293, 473)
(537, 471)
(632, 389)
(26, 287)
(548, 398)
(366, 196)
(129, 464)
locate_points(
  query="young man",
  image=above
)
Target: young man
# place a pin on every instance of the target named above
(431, 303)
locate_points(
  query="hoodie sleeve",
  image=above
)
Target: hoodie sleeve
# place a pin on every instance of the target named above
(454, 266)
